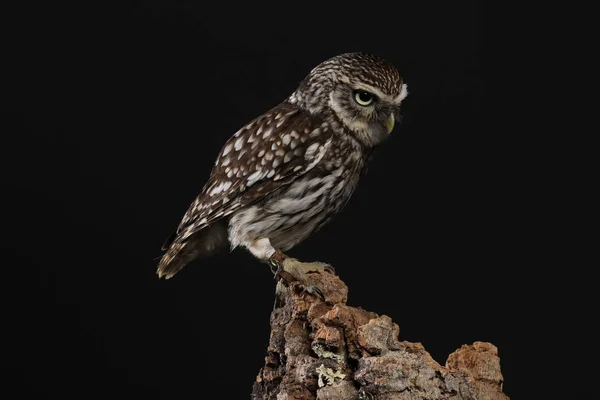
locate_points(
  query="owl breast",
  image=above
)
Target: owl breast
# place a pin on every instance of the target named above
(294, 212)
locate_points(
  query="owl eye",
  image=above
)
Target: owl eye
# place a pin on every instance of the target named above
(363, 97)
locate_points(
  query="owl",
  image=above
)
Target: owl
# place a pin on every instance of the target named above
(288, 172)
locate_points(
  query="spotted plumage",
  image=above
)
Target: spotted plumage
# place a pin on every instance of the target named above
(285, 174)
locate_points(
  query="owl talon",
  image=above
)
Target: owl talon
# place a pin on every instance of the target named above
(279, 273)
(312, 289)
(275, 267)
(276, 264)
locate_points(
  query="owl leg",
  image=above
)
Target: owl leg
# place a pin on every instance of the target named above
(264, 251)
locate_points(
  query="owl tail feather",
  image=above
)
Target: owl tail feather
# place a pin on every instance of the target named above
(172, 261)
(202, 244)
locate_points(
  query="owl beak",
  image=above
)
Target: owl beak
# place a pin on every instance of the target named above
(389, 123)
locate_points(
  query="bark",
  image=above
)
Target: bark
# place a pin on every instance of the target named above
(330, 351)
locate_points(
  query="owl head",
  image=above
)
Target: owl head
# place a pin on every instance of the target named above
(363, 91)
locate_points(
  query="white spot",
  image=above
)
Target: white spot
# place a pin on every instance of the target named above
(280, 152)
(319, 155)
(297, 168)
(271, 173)
(280, 122)
(241, 154)
(254, 175)
(252, 179)
(267, 133)
(294, 135)
(276, 162)
(261, 153)
(316, 132)
(310, 151)
(251, 139)
(287, 157)
(216, 190)
(235, 170)
(298, 152)
(226, 185)
(293, 144)
(239, 143)
(259, 131)
(269, 156)
(227, 149)
(278, 115)
(238, 132)
(225, 162)
(286, 139)
(203, 221)
(273, 147)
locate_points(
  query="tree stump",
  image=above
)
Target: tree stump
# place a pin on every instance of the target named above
(329, 351)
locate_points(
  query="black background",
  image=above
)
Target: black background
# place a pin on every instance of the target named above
(121, 111)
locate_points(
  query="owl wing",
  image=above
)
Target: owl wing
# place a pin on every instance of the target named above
(263, 156)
